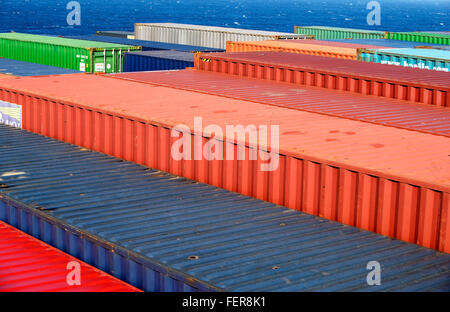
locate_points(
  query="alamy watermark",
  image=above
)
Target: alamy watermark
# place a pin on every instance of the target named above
(374, 276)
(259, 138)
(74, 16)
(374, 16)
(73, 278)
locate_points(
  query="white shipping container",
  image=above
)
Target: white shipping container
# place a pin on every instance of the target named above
(205, 36)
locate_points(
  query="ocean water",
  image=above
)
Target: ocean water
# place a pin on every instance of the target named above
(49, 16)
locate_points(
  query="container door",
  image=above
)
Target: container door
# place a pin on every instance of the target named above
(104, 61)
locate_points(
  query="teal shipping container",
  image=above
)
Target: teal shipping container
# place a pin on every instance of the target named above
(431, 59)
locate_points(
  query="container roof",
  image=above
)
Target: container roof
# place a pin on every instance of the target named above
(29, 265)
(221, 29)
(147, 44)
(20, 68)
(83, 44)
(387, 43)
(381, 72)
(344, 29)
(212, 238)
(425, 53)
(407, 156)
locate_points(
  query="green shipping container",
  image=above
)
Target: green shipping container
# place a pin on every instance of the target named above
(443, 39)
(86, 56)
(329, 33)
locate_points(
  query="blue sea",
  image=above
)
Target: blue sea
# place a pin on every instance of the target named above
(50, 16)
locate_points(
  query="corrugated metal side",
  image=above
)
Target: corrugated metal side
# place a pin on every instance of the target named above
(293, 46)
(206, 36)
(431, 59)
(337, 44)
(387, 43)
(325, 32)
(394, 113)
(348, 163)
(20, 68)
(82, 55)
(29, 265)
(419, 37)
(366, 78)
(157, 60)
(164, 233)
(147, 45)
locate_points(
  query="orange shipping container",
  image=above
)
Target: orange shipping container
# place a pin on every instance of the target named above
(312, 47)
(391, 181)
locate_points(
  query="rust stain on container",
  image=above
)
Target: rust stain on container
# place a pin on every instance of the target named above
(401, 189)
(389, 112)
(430, 87)
(313, 47)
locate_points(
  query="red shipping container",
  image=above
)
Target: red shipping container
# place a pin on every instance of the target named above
(391, 181)
(430, 87)
(389, 112)
(29, 265)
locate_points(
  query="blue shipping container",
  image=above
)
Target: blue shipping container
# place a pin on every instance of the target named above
(160, 232)
(387, 43)
(157, 60)
(20, 68)
(147, 45)
(417, 58)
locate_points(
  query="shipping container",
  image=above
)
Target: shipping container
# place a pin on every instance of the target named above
(325, 32)
(436, 32)
(157, 60)
(20, 68)
(29, 265)
(386, 43)
(383, 179)
(430, 59)
(205, 36)
(160, 232)
(429, 87)
(393, 113)
(85, 56)
(443, 39)
(116, 33)
(312, 47)
(147, 45)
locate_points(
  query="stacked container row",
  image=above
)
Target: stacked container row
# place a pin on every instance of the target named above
(323, 165)
(160, 232)
(429, 87)
(85, 56)
(430, 59)
(147, 45)
(393, 113)
(205, 36)
(312, 47)
(29, 265)
(386, 43)
(326, 33)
